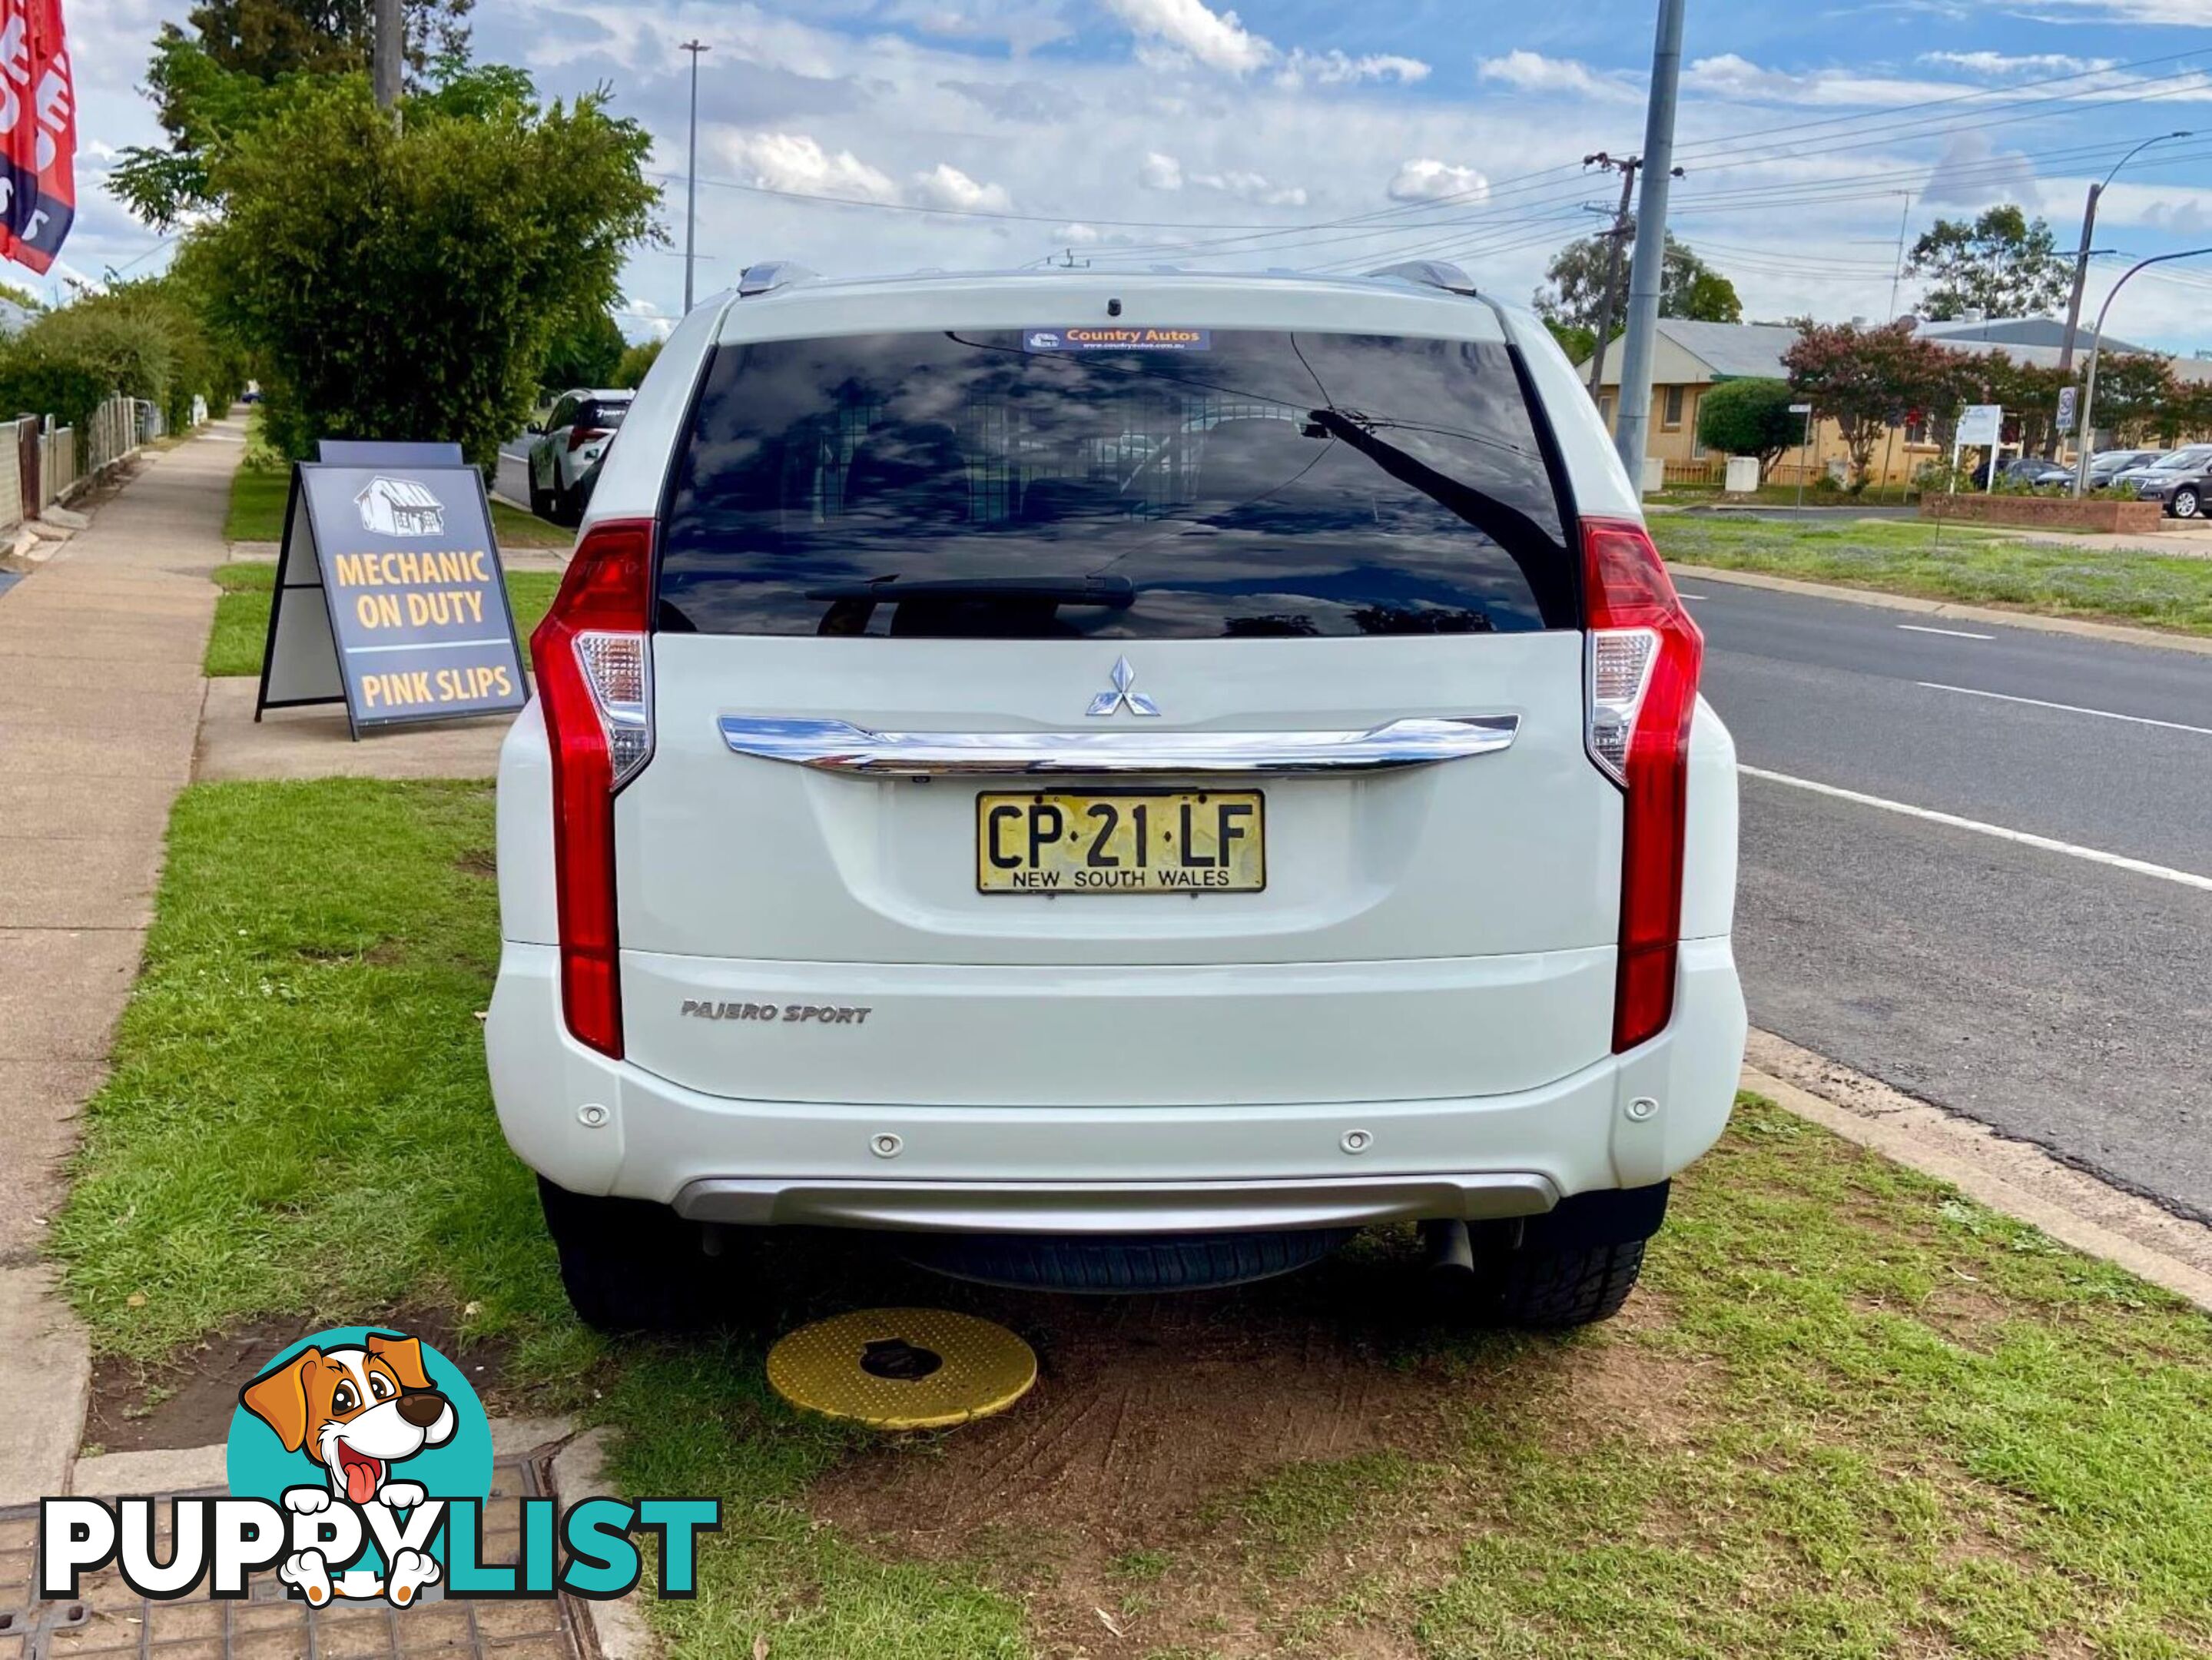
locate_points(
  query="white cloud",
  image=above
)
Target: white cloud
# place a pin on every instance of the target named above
(1250, 187)
(1731, 75)
(795, 161)
(1427, 180)
(1531, 71)
(1973, 173)
(1159, 171)
(2003, 63)
(2170, 14)
(1337, 69)
(945, 187)
(1215, 39)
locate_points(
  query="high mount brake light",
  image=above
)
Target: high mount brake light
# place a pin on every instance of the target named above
(595, 684)
(1643, 653)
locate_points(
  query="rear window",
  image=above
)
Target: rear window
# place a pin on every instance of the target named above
(1262, 483)
(606, 416)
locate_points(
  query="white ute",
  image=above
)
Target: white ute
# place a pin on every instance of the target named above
(1120, 781)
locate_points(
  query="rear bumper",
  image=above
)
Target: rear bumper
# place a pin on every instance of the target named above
(595, 1126)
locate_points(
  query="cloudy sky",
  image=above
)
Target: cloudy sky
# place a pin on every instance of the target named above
(994, 133)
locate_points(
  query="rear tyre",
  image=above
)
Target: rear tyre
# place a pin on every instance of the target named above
(1574, 1265)
(1123, 1263)
(541, 504)
(2187, 502)
(1549, 1290)
(628, 1265)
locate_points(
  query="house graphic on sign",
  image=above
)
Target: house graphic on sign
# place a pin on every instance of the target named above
(400, 507)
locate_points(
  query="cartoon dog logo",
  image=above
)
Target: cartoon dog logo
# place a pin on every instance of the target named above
(358, 1411)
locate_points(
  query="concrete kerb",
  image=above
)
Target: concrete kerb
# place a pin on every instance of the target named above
(2118, 633)
(2016, 1178)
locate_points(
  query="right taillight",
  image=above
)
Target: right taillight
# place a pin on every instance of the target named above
(1643, 654)
(595, 685)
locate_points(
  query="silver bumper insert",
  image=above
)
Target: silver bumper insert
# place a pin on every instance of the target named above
(1112, 1206)
(840, 746)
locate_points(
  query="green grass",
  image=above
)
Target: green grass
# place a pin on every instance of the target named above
(261, 489)
(1851, 1415)
(241, 613)
(1905, 556)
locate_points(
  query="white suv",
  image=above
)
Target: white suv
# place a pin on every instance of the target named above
(1121, 781)
(566, 444)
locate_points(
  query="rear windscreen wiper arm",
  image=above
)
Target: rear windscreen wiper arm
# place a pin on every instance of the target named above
(1112, 593)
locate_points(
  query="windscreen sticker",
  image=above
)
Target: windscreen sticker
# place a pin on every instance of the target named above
(1117, 339)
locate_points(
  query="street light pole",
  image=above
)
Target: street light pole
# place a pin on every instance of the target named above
(2081, 258)
(1634, 422)
(2096, 343)
(691, 174)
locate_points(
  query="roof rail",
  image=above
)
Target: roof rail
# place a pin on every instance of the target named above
(770, 275)
(1431, 273)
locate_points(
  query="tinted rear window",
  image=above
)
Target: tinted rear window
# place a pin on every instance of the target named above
(608, 416)
(1268, 483)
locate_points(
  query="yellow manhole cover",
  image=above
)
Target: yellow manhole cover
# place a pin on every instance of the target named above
(902, 1369)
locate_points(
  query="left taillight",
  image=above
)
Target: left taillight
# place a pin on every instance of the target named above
(594, 669)
(1642, 656)
(580, 436)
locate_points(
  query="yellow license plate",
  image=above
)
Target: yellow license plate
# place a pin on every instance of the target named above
(1122, 842)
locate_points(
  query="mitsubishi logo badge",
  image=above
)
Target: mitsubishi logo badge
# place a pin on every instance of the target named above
(1112, 702)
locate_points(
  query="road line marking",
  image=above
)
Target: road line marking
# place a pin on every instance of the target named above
(2047, 844)
(1681, 595)
(2071, 708)
(1956, 634)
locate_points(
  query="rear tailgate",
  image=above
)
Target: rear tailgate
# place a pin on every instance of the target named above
(1321, 535)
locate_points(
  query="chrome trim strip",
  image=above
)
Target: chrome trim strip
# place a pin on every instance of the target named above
(840, 746)
(1112, 1206)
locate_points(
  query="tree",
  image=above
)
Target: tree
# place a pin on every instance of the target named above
(636, 360)
(2135, 391)
(267, 39)
(1573, 295)
(1867, 380)
(587, 353)
(408, 283)
(2027, 391)
(245, 63)
(2000, 264)
(1750, 418)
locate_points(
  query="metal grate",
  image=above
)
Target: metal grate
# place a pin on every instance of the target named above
(108, 1621)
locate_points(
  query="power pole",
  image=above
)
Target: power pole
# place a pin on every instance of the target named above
(691, 174)
(388, 53)
(1634, 422)
(1615, 239)
(2081, 266)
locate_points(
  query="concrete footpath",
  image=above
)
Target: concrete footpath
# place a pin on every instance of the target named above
(99, 706)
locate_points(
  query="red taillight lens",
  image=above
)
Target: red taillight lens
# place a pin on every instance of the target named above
(594, 683)
(1643, 655)
(580, 436)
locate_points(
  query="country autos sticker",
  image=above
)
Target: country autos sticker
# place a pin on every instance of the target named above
(1117, 339)
(360, 1463)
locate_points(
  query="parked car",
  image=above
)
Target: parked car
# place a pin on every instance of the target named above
(2029, 470)
(1115, 782)
(569, 441)
(2107, 465)
(2179, 481)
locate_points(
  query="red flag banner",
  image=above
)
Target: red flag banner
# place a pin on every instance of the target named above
(38, 133)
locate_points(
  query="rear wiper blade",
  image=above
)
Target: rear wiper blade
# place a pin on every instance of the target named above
(1112, 593)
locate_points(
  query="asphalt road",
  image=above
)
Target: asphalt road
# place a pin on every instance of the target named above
(2047, 990)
